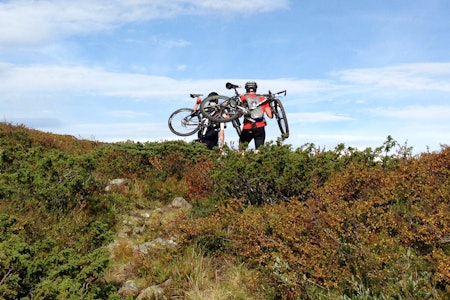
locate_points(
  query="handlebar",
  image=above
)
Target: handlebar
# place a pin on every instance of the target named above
(196, 95)
(270, 94)
(269, 97)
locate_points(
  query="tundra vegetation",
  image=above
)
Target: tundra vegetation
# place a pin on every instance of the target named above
(305, 223)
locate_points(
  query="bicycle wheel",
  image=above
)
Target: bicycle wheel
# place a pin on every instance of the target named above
(184, 122)
(280, 115)
(225, 110)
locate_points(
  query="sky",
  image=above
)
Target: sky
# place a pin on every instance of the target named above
(355, 71)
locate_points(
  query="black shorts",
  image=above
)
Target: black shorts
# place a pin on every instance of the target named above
(257, 134)
(211, 138)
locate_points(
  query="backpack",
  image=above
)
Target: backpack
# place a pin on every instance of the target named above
(256, 112)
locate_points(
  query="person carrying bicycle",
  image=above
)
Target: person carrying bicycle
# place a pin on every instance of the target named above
(254, 122)
(214, 135)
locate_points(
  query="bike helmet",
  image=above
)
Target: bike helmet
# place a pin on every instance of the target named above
(251, 85)
(212, 94)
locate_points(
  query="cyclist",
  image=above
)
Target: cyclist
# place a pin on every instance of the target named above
(214, 135)
(254, 123)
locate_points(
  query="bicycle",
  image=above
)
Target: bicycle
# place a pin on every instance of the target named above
(229, 109)
(186, 121)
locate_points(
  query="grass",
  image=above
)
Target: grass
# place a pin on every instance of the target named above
(209, 278)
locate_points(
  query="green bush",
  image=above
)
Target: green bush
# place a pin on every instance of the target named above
(312, 223)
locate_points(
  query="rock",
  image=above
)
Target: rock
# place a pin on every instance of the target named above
(156, 243)
(180, 202)
(129, 288)
(117, 182)
(139, 229)
(145, 215)
(155, 291)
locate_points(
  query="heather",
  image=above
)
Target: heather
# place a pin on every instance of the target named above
(284, 223)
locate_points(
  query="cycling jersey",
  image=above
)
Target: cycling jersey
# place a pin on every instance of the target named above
(256, 117)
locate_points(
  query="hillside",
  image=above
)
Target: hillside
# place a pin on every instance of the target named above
(81, 219)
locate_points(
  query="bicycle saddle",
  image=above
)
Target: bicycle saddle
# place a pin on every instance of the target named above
(230, 86)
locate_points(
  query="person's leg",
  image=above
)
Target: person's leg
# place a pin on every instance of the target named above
(259, 134)
(211, 144)
(211, 139)
(245, 138)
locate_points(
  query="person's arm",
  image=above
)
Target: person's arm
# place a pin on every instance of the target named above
(197, 102)
(222, 135)
(268, 110)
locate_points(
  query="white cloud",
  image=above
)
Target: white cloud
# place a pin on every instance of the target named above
(338, 138)
(330, 141)
(134, 131)
(174, 43)
(35, 23)
(431, 113)
(37, 89)
(420, 76)
(78, 79)
(130, 114)
(316, 117)
(243, 6)
(294, 85)
(96, 81)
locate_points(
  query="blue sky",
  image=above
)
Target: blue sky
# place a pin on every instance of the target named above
(355, 71)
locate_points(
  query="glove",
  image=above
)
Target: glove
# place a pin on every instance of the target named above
(199, 100)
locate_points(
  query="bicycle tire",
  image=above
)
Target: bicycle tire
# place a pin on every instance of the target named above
(280, 115)
(224, 111)
(184, 122)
